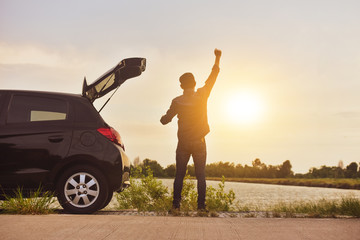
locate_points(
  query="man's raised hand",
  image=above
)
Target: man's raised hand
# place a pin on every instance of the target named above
(217, 52)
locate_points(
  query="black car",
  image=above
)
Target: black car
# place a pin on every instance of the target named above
(60, 142)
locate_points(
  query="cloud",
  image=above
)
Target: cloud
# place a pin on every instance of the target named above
(29, 66)
(27, 54)
(348, 114)
(60, 57)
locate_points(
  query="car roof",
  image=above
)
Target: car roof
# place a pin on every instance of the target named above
(36, 92)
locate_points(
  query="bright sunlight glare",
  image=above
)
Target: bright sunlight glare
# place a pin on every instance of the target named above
(244, 108)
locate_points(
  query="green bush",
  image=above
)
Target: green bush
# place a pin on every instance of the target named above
(146, 193)
(218, 199)
(39, 202)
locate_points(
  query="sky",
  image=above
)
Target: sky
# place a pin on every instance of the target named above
(288, 87)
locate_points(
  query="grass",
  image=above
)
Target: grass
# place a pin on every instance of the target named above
(148, 194)
(347, 206)
(39, 202)
(343, 183)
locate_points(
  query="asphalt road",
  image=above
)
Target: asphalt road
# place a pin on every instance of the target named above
(62, 226)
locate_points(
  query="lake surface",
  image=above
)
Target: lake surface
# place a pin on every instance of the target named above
(263, 195)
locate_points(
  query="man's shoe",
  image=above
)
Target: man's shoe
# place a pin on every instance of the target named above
(175, 211)
(203, 212)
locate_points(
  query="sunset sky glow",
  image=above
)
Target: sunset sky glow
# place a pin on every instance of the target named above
(288, 87)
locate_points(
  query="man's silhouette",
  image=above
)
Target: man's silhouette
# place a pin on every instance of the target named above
(191, 110)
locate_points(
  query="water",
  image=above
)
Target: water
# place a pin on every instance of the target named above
(263, 195)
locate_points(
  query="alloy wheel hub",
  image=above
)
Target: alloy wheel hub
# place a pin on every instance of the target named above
(81, 190)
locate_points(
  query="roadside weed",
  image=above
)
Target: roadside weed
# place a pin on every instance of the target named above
(38, 202)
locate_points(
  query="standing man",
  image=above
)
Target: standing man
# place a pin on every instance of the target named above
(193, 126)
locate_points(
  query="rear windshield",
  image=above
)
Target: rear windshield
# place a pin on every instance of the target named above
(102, 86)
(36, 109)
(106, 83)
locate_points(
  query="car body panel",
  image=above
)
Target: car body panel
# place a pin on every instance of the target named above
(31, 149)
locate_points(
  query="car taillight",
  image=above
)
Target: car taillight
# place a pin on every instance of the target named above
(112, 135)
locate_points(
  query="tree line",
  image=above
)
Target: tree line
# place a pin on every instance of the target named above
(350, 171)
(256, 170)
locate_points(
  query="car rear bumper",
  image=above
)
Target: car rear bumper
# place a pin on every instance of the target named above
(126, 171)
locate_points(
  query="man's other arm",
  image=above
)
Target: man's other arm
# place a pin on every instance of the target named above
(169, 114)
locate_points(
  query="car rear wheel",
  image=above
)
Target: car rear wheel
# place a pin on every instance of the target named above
(82, 190)
(108, 200)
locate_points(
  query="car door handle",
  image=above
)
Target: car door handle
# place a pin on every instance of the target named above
(55, 139)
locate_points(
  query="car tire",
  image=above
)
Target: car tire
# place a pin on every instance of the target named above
(108, 200)
(82, 190)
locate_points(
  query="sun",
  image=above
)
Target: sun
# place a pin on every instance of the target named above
(244, 108)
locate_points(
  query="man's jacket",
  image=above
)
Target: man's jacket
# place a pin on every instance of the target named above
(191, 110)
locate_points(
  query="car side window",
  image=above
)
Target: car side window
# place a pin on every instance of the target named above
(34, 109)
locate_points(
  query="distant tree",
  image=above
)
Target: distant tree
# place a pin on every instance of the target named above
(322, 172)
(259, 169)
(248, 171)
(239, 171)
(170, 170)
(325, 172)
(191, 170)
(155, 167)
(272, 171)
(285, 170)
(351, 170)
(220, 169)
(257, 163)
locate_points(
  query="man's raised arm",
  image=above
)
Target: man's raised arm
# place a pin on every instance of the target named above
(217, 53)
(214, 72)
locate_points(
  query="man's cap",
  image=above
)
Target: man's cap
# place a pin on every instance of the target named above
(187, 80)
